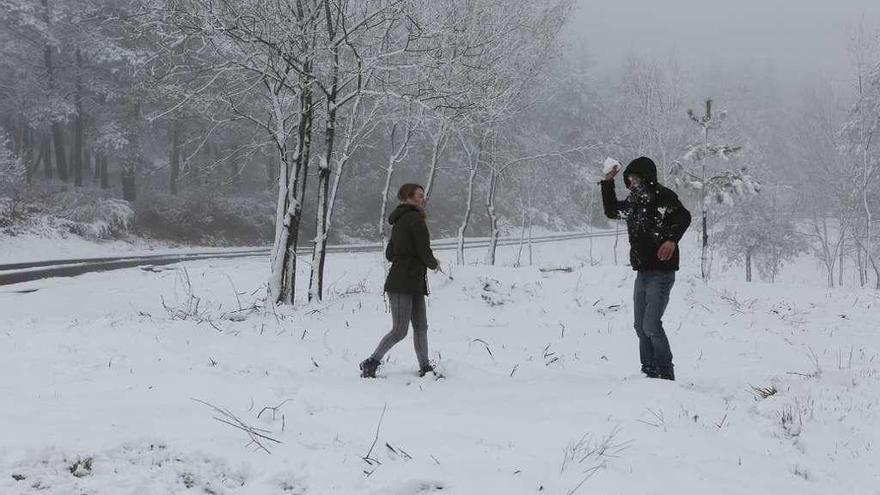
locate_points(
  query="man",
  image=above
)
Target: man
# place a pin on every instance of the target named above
(655, 220)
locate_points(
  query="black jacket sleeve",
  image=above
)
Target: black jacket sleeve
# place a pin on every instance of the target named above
(389, 250)
(677, 218)
(613, 207)
(422, 240)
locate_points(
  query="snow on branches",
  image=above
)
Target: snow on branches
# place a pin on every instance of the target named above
(721, 188)
(697, 152)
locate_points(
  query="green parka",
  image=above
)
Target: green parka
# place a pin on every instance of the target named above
(409, 251)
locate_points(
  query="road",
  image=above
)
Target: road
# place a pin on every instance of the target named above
(15, 273)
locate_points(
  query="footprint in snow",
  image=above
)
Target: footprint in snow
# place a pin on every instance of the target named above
(419, 488)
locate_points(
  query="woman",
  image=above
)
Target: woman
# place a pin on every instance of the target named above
(409, 252)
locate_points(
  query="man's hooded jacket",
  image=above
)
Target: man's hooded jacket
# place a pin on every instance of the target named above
(653, 214)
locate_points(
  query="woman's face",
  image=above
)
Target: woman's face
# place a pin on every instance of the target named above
(418, 199)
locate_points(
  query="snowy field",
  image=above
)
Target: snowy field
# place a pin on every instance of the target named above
(106, 390)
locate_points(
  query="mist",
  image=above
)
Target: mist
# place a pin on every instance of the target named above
(793, 42)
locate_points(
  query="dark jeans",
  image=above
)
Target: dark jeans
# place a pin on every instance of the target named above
(406, 308)
(650, 297)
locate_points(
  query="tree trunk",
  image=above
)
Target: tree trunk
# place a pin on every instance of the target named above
(291, 193)
(96, 177)
(303, 160)
(704, 237)
(590, 225)
(530, 232)
(129, 182)
(60, 158)
(103, 175)
(876, 268)
(38, 156)
(869, 242)
(17, 136)
(867, 173)
(57, 131)
(616, 239)
(748, 265)
(209, 167)
(88, 160)
(438, 145)
(704, 254)
(493, 218)
(234, 172)
(863, 270)
(473, 166)
(522, 237)
(174, 159)
(134, 155)
(77, 161)
(382, 226)
(282, 282)
(395, 157)
(827, 255)
(271, 175)
(46, 154)
(29, 154)
(459, 248)
(319, 252)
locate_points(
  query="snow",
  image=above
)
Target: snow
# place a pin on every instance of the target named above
(609, 165)
(101, 384)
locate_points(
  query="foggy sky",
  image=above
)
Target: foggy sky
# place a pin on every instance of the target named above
(795, 37)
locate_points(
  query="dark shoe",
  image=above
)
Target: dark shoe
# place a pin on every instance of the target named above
(369, 367)
(424, 370)
(666, 375)
(650, 371)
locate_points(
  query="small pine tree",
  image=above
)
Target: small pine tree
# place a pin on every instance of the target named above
(712, 188)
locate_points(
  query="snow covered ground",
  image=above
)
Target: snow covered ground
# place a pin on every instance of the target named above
(106, 390)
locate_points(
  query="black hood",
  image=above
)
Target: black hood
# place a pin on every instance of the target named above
(643, 167)
(401, 210)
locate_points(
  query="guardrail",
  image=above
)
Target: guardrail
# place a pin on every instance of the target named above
(15, 273)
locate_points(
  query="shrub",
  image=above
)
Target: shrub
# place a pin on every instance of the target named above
(211, 220)
(91, 215)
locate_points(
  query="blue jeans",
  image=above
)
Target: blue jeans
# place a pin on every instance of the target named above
(650, 297)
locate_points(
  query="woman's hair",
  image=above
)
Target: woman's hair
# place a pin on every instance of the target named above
(407, 191)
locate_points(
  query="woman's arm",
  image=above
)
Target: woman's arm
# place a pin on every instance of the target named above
(422, 240)
(389, 250)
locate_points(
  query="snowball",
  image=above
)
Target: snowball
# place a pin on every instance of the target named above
(609, 165)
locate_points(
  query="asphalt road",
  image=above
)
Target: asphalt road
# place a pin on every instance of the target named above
(15, 273)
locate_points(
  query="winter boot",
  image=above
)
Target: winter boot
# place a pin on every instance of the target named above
(650, 371)
(368, 367)
(667, 374)
(424, 370)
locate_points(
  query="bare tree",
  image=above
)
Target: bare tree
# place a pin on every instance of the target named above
(473, 149)
(859, 134)
(399, 146)
(269, 48)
